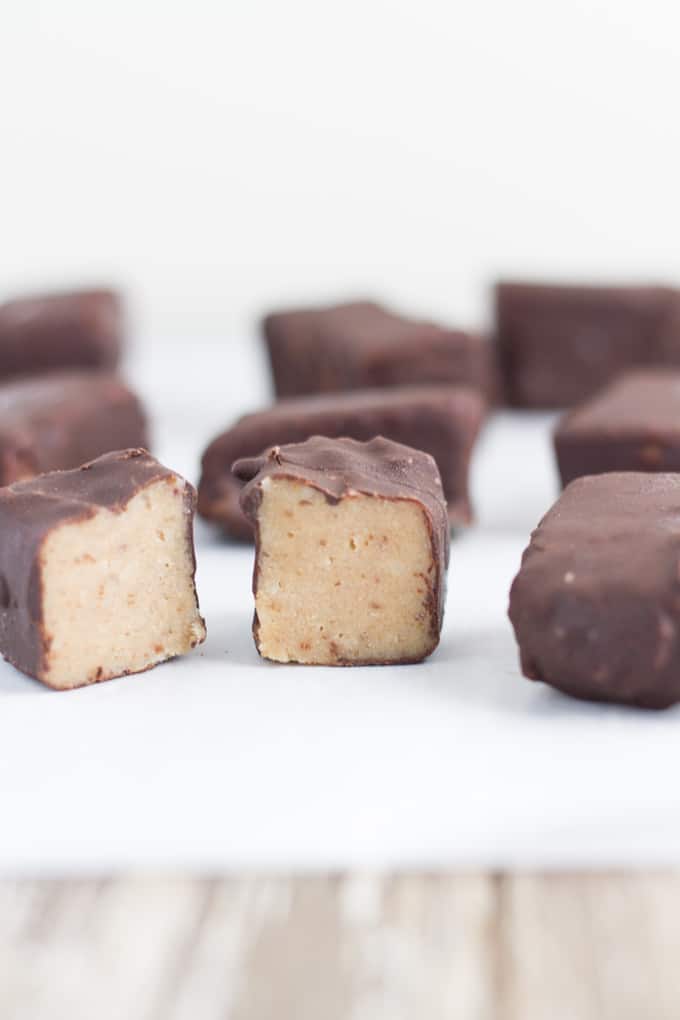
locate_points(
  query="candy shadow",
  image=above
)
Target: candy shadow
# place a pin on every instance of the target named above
(482, 668)
(13, 682)
(230, 640)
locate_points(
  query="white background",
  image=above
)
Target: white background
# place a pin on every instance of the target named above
(219, 156)
(221, 761)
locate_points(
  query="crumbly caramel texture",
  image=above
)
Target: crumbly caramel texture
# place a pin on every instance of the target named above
(343, 583)
(118, 591)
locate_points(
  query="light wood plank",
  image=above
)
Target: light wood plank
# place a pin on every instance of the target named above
(475, 947)
(548, 969)
(287, 948)
(85, 949)
(369, 948)
(583, 946)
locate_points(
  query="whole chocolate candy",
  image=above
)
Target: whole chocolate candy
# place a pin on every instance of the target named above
(596, 603)
(444, 421)
(631, 425)
(79, 329)
(559, 344)
(363, 345)
(60, 420)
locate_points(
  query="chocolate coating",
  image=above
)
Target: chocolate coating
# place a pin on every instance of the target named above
(29, 511)
(596, 604)
(631, 425)
(342, 467)
(559, 344)
(42, 333)
(63, 419)
(362, 345)
(441, 420)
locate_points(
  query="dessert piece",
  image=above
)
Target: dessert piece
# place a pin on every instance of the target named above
(97, 570)
(631, 425)
(361, 345)
(351, 551)
(596, 604)
(441, 420)
(558, 345)
(83, 329)
(63, 419)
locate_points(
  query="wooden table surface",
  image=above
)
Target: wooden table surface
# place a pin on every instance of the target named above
(474, 947)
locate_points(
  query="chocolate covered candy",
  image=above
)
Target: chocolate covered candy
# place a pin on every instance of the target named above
(362, 345)
(351, 551)
(631, 425)
(97, 570)
(596, 604)
(63, 419)
(441, 420)
(82, 329)
(559, 344)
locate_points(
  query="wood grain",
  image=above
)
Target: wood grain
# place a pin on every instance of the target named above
(474, 947)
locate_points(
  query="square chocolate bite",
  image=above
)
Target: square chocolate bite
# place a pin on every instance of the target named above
(444, 421)
(361, 345)
(97, 570)
(631, 425)
(47, 332)
(596, 603)
(59, 421)
(351, 551)
(559, 344)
